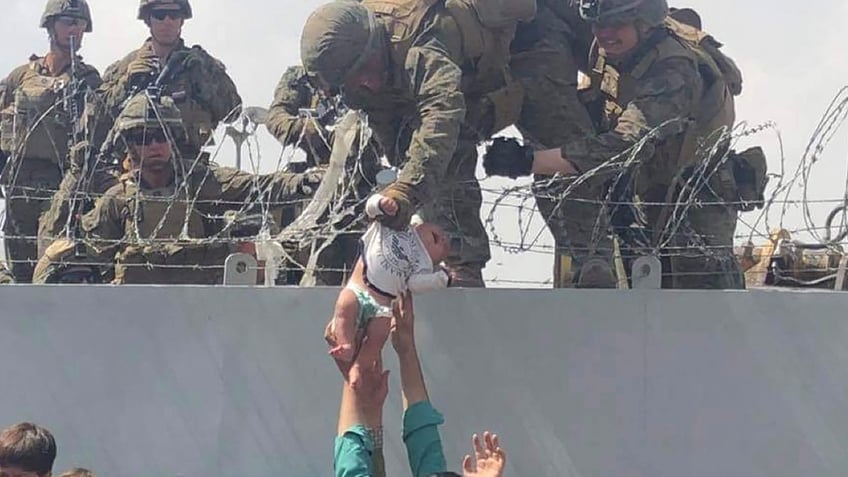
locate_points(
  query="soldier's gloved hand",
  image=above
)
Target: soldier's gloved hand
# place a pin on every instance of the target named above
(508, 158)
(311, 180)
(401, 193)
(140, 73)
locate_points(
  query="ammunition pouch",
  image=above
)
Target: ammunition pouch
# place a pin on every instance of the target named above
(750, 172)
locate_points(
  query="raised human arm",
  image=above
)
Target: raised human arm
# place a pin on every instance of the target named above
(420, 420)
(360, 424)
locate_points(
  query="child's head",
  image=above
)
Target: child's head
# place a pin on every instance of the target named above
(435, 241)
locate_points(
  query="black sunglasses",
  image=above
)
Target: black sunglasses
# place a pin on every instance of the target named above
(146, 137)
(163, 14)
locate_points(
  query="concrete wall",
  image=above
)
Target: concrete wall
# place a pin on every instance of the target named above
(193, 382)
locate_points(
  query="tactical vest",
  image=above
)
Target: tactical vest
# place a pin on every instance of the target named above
(676, 151)
(708, 44)
(160, 214)
(486, 27)
(35, 125)
(172, 257)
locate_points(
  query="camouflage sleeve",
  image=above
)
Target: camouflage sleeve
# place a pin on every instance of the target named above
(436, 81)
(103, 104)
(291, 94)
(103, 226)
(214, 89)
(234, 187)
(670, 90)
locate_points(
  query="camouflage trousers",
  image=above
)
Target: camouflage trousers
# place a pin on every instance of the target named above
(700, 255)
(54, 223)
(31, 187)
(552, 115)
(455, 207)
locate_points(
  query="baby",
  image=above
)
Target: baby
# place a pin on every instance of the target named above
(390, 263)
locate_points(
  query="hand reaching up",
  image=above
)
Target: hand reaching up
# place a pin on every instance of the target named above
(489, 459)
(403, 325)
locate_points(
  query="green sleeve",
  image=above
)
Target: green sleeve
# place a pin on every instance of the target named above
(423, 443)
(670, 90)
(352, 456)
(292, 94)
(103, 226)
(436, 81)
(213, 88)
(233, 187)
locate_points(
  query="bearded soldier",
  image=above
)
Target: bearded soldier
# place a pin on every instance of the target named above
(652, 76)
(39, 117)
(197, 82)
(433, 78)
(155, 224)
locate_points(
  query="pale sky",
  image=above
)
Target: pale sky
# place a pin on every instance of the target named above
(793, 55)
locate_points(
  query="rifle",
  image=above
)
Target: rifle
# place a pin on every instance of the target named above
(73, 101)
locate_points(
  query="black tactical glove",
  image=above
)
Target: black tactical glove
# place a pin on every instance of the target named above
(508, 158)
(401, 193)
(310, 181)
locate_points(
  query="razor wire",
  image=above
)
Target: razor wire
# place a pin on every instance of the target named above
(334, 211)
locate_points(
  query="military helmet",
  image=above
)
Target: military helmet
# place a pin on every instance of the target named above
(146, 110)
(146, 5)
(338, 39)
(71, 8)
(652, 12)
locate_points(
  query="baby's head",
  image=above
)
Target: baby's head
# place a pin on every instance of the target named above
(435, 241)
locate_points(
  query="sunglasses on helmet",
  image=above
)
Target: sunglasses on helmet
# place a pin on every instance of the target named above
(146, 137)
(161, 14)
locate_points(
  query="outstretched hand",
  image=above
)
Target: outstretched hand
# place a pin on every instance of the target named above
(489, 459)
(403, 324)
(373, 387)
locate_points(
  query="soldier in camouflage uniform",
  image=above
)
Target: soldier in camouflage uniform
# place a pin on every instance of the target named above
(646, 75)
(285, 122)
(156, 224)
(433, 78)
(299, 116)
(198, 83)
(37, 103)
(546, 56)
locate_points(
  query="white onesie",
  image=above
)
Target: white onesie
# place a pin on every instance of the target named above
(397, 261)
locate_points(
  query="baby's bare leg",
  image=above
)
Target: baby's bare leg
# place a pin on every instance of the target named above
(371, 350)
(342, 329)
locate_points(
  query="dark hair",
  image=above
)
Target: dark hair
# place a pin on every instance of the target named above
(29, 447)
(78, 472)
